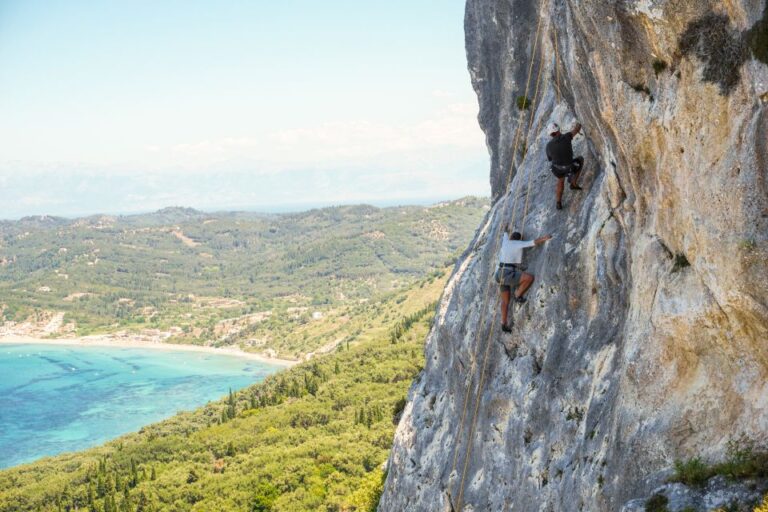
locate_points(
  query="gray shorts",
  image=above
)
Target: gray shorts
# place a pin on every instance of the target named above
(508, 277)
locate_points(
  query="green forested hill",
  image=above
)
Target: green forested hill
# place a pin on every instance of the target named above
(312, 438)
(259, 281)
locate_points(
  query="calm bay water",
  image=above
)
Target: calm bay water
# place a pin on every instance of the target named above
(59, 398)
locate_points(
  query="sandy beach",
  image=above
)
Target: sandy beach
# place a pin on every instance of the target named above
(109, 341)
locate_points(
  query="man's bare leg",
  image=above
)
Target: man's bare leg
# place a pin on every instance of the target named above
(526, 280)
(559, 192)
(574, 181)
(504, 306)
(575, 178)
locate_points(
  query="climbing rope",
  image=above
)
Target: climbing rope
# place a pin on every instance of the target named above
(473, 423)
(530, 181)
(557, 71)
(495, 315)
(484, 303)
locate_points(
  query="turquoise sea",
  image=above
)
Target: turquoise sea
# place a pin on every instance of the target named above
(55, 399)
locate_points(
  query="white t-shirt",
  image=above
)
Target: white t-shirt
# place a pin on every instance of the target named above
(512, 250)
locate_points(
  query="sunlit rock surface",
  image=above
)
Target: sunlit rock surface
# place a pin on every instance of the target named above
(645, 338)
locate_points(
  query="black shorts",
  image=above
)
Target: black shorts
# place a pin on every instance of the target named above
(568, 170)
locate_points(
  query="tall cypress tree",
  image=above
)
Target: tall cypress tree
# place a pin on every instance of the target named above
(101, 488)
(231, 408)
(109, 504)
(134, 474)
(125, 506)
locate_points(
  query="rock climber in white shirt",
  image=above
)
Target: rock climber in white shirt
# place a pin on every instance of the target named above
(510, 273)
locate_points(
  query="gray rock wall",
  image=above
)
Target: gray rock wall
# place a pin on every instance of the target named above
(645, 338)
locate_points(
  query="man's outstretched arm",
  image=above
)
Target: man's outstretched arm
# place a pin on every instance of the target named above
(576, 129)
(542, 239)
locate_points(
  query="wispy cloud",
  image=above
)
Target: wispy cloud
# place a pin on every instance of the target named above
(440, 156)
(443, 94)
(452, 130)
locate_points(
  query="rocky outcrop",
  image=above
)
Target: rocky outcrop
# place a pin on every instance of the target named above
(645, 339)
(718, 494)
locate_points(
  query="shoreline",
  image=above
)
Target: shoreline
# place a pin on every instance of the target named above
(107, 341)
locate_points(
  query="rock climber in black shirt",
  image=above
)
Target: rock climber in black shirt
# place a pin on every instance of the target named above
(560, 153)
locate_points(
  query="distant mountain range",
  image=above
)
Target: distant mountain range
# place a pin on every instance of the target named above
(251, 279)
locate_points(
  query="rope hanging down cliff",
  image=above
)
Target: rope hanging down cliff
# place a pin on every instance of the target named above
(487, 295)
(513, 163)
(557, 71)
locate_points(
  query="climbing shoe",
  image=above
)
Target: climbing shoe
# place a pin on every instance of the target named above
(506, 328)
(521, 300)
(559, 205)
(575, 187)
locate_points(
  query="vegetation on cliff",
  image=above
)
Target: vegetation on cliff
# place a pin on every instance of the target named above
(279, 282)
(311, 438)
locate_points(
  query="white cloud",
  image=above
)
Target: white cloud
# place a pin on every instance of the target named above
(441, 94)
(454, 127)
(439, 156)
(450, 131)
(36, 200)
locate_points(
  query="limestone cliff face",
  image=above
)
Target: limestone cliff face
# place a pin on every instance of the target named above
(645, 338)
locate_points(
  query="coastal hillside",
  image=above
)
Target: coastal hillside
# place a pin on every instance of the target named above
(635, 377)
(283, 285)
(313, 437)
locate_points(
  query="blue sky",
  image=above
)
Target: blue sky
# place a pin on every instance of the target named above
(135, 105)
